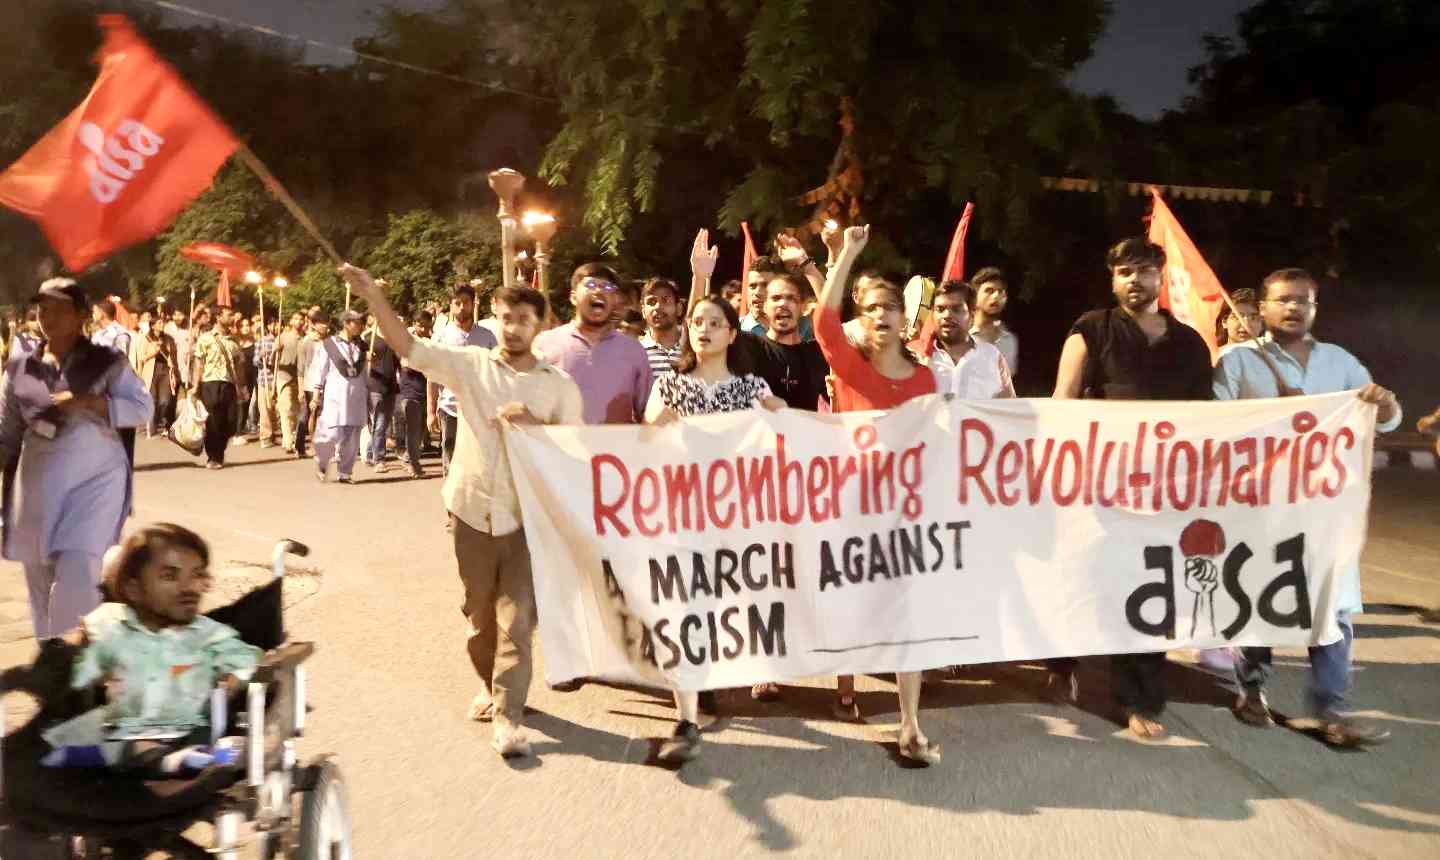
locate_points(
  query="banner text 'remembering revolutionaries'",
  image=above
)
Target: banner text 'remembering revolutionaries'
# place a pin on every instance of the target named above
(731, 549)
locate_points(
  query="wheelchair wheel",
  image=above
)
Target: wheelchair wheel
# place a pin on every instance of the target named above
(325, 817)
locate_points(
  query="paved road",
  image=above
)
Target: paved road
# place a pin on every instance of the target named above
(1020, 778)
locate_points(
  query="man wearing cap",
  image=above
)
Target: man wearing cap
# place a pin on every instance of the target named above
(337, 372)
(66, 404)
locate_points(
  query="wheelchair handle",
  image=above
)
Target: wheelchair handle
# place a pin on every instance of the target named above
(282, 547)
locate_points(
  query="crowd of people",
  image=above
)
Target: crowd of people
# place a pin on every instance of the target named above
(379, 382)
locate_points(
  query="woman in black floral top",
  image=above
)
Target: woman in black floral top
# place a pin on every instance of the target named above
(705, 381)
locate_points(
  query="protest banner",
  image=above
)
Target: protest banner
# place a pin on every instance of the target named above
(729, 549)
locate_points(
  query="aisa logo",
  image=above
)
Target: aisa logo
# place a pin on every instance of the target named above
(114, 162)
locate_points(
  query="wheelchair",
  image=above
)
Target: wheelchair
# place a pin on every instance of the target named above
(266, 805)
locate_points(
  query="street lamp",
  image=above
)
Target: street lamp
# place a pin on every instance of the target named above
(253, 277)
(506, 184)
(541, 227)
(281, 282)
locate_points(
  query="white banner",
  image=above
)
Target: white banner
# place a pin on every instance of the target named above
(738, 548)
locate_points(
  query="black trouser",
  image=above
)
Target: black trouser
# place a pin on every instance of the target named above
(302, 421)
(1138, 680)
(415, 430)
(219, 400)
(449, 426)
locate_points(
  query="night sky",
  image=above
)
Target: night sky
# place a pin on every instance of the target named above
(1141, 59)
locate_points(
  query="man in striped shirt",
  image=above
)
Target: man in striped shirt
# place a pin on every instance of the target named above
(664, 336)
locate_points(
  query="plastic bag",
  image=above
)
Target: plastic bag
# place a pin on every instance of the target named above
(188, 428)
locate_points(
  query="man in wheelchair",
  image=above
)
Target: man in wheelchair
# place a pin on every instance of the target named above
(158, 659)
(197, 723)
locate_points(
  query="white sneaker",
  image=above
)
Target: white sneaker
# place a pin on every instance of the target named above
(509, 741)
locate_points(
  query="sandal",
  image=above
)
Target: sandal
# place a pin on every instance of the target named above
(844, 707)
(1146, 729)
(922, 753)
(767, 691)
(482, 710)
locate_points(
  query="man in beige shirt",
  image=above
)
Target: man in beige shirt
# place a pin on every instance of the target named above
(505, 383)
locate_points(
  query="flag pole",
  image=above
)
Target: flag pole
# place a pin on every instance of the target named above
(249, 159)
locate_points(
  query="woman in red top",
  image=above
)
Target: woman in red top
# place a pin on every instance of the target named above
(882, 374)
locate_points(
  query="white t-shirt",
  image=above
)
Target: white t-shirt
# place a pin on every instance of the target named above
(981, 373)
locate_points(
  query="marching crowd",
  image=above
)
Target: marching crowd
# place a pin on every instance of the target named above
(379, 382)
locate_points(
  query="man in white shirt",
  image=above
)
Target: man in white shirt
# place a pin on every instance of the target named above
(964, 365)
(108, 332)
(992, 294)
(504, 383)
(461, 330)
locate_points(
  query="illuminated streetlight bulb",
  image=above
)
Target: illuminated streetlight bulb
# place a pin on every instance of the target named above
(281, 281)
(253, 277)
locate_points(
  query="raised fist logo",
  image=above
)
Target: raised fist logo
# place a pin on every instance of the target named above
(1201, 542)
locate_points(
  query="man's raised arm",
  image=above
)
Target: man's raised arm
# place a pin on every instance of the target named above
(394, 331)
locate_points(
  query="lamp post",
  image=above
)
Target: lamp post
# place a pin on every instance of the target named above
(541, 227)
(506, 184)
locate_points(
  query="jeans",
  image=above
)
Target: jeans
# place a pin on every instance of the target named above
(251, 412)
(164, 404)
(219, 400)
(1329, 670)
(415, 431)
(382, 407)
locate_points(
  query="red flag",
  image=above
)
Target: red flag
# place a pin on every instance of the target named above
(222, 292)
(746, 264)
(954, 271)
(122, 165)
(1190, 289)
(955, 260)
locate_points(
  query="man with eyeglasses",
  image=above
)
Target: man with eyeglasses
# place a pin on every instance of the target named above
(1301, 364)
(611, 368)
(1133, 351)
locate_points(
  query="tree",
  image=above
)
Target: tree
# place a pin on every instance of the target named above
(1334, 102)
(947, 100)
(319, 285)
(236, 210)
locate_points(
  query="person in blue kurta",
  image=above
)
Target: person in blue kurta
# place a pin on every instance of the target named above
(337, 372)
(61, 410)
(1304, 365)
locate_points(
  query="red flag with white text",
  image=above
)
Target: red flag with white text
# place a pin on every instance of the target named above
(123, 164)
(1190, 290)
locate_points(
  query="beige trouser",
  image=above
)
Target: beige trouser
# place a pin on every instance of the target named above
(500, 606)
(287, 403)
(266, 407)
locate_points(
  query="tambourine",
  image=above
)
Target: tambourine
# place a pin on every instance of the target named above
(919, 297)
